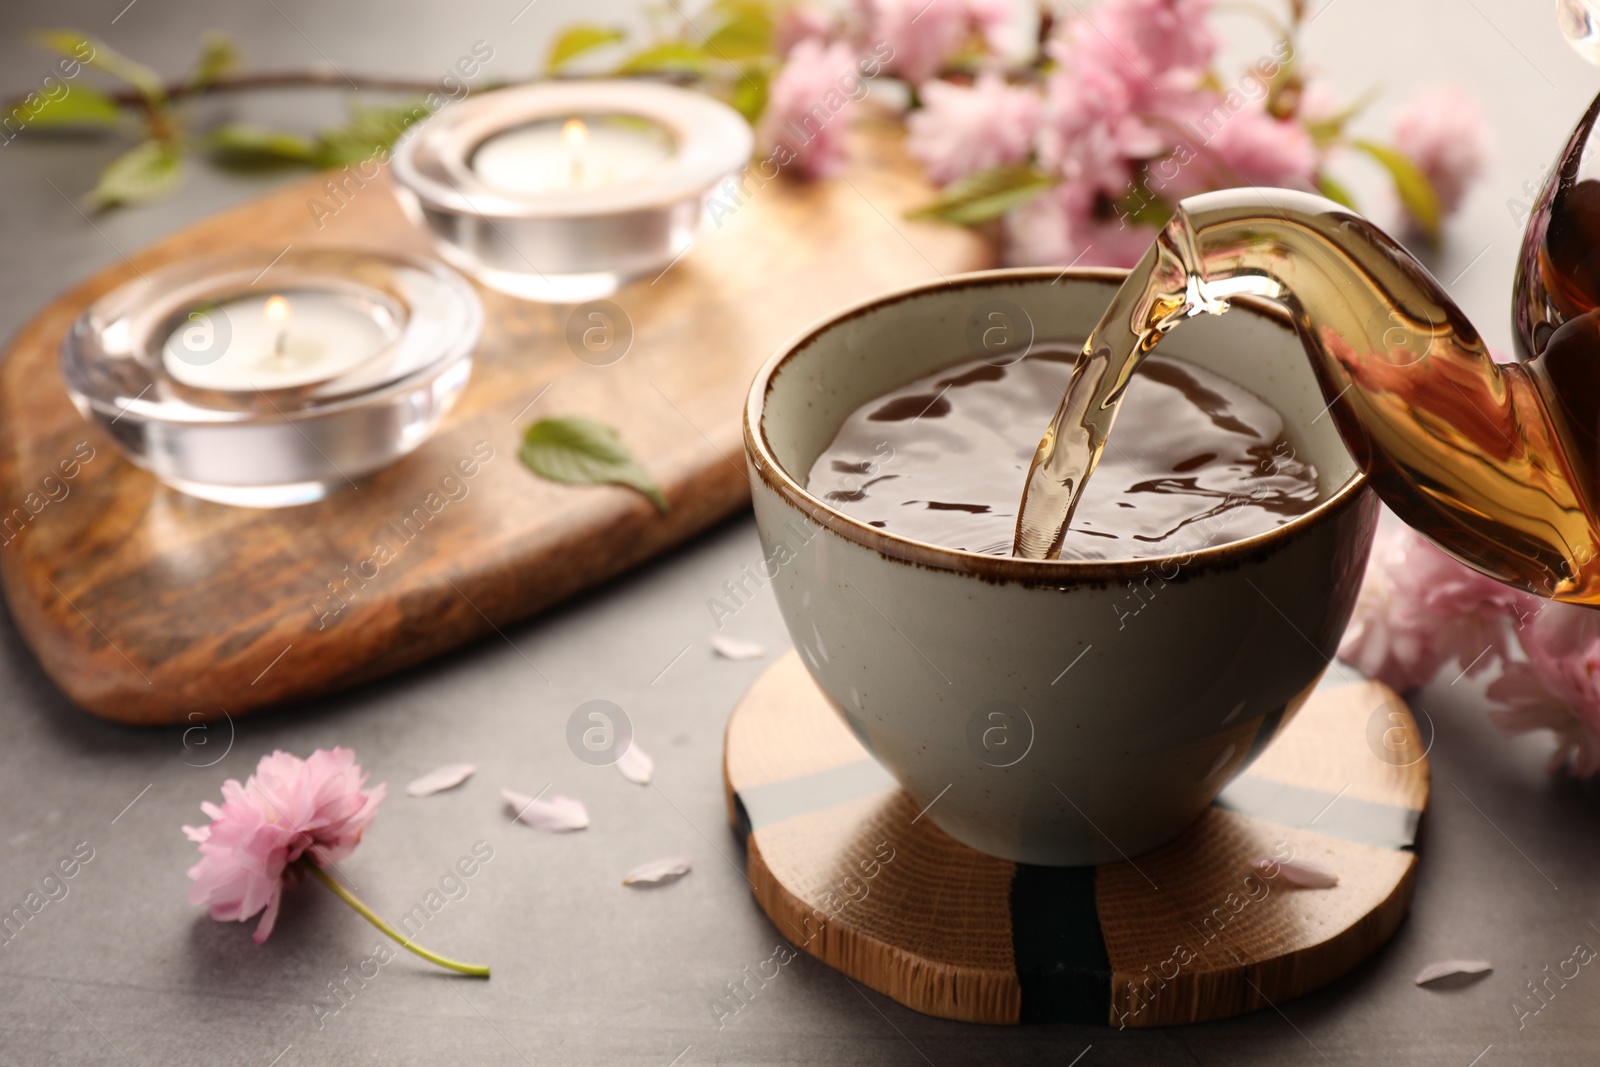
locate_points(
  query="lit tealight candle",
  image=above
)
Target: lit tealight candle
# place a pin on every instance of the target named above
(555, 155)
(272, 342)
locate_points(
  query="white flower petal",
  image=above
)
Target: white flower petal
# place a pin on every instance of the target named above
(736, 648)
(659, 872)
(635, 765)
(441, 778)
(1302, 874)
(557, 814)
(1446, 968)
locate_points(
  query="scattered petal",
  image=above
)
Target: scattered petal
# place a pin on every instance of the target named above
(558, 814)
(1433, 972)
(635, 765)
(1300, 873)
(659, 872)
(441, 778)
(736, 648)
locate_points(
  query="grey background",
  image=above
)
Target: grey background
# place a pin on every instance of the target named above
(124, 971)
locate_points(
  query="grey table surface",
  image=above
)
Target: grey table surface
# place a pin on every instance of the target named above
(122, 970)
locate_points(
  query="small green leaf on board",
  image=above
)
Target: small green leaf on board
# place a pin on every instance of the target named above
(574, 450)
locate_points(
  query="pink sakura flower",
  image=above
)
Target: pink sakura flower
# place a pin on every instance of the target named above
(1444, 131)
(921, 33)
(292, 816)
(1558, 686)
(1253, 148)
(924, 34)
(1073, 224)
(994, 22)
(960, 131)
(1158, 38)
(802, 22)
(290, 807)
(809, 107)
(1420, 608)
(1319, 102)
(1125, 79)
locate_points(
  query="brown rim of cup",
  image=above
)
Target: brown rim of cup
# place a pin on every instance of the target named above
(759, 455)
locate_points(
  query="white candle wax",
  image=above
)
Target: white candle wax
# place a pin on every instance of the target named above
(553, 156)
(273, 342)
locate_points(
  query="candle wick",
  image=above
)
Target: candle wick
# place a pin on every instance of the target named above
(282, 344)
(577, 168)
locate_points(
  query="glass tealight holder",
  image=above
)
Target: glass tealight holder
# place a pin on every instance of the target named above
(563, 191)
(269, 382)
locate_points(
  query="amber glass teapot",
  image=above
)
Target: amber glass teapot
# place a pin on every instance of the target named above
(1499, 464)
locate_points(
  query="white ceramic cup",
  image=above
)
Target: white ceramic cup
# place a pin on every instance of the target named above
(1018, 698)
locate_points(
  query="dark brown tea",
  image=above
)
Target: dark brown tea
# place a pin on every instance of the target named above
(1196, 461)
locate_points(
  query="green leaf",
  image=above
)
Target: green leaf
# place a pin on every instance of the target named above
(1336, 192)
(101, 56)
(574, 450)
(576, 40)
(750, 92)
(1153, 212)
(370, 130)
(81, 107)
(144, 172)
(1326, 131)
(746, 31)
(218, 56)
(241, 142)
(1413, 187)
(669, 57)
(986, 195)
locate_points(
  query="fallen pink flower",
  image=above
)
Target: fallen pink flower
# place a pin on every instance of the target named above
(292, 817)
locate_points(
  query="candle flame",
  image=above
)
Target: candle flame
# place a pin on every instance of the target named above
(574, 135)
(276, 310)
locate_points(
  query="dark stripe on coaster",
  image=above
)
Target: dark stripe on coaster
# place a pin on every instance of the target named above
(1349, 818)
(776, 801)
(1061, 957)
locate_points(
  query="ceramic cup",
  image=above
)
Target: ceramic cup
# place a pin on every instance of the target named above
(1043, 719)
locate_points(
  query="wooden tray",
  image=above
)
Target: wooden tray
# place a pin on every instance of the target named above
(848, 870)
(147, 606)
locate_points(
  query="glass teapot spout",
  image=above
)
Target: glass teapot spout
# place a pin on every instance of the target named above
(1480, 457)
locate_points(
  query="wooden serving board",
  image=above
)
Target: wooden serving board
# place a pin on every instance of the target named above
(848, 871)
(147, 606)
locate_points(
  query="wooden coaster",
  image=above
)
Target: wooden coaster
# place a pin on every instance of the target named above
(848, 871)
(147, 606)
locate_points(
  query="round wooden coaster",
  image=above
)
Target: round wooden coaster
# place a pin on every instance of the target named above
(849, 871)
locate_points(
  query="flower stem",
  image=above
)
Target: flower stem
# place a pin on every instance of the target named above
(472, 969)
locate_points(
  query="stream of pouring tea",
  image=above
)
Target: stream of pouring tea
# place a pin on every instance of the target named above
(1076, 437)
